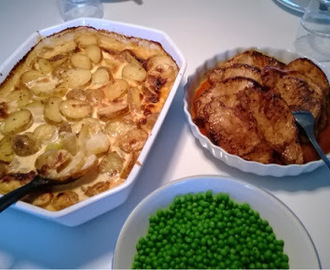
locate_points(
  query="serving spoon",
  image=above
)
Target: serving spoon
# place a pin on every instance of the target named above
(36, 183)
(306, 120)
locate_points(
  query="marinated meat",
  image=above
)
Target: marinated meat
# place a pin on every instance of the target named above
(255, 59)
(255, 127)
(299, 94)
(247, 108)
(225, 90)
(235, 70)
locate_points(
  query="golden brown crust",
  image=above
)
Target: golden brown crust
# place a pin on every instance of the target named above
(247, 108)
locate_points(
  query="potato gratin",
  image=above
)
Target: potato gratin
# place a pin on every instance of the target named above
(80, 104)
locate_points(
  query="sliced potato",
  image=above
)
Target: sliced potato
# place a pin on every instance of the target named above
(134, 99)
(95, 96)
(92, 125)
(79, 60)
(130, 162)
(160, 62)
(134, 72)
(78, 94)
(113, 110)
(97, 144)
(64, 199)
(31, 76)
(94, 53)
(44, 65)
(97, 188)
(52, 110)
(6, 149)
(37, 110)
(17, 122)
(116, 89)
(75, 109)
(86, 39)
(45, 133)
(133, 140)
(117, 127)
(69, 142)
(111, 164)
(44, 88)
(25, 144)
(21, 97)
(77, 77)
(50, 162)
(101, 76)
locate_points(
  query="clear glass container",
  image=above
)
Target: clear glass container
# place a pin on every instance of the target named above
(72, 9)
(313, 38)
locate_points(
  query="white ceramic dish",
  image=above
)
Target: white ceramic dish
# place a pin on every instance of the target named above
(219, 153)
(101, 203)
(298, 244)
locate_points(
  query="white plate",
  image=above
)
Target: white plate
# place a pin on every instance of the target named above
(296, 5)
(219, 153)
(298, 244)
(108, 200)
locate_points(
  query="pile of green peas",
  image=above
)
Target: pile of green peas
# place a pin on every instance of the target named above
(206, 230)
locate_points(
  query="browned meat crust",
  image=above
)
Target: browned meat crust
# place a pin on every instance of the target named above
(247, 108)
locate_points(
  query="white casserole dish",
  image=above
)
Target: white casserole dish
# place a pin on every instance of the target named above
(232, 160)
(103, 202)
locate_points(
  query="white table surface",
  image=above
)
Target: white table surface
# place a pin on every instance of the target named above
(200, 28)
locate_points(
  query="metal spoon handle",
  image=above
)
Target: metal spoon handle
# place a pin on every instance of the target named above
(13, 196)
(317, 147)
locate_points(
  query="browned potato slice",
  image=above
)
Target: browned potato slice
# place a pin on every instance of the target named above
(111, 164)
(97, 188)
(17, 122)
(75, 109)
(130, 162)
(79, 60)
(42, 200)
(150, 121)
(115, 89)
(6, 149)
(134, 72)
(64, 199)
(94, 53)
(160, 62)
(112, 110)
(101, 76)
(20, 96)
(133, 140)
(77, 77)
(52, 110)
(25, 144)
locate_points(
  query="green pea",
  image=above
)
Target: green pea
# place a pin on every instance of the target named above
(207, 230)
